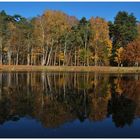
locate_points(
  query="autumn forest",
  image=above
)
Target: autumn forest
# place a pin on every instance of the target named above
(57, 39)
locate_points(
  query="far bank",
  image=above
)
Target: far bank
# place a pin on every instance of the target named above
(102, 69)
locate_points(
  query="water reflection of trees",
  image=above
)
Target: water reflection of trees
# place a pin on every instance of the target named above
(57, 98)
(122, 110)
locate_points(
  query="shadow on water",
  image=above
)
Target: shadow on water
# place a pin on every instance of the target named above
(53, 99)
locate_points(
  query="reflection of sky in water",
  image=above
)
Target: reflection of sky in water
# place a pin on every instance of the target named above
(31, 128)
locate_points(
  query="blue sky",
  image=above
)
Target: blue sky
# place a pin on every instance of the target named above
(107, 10)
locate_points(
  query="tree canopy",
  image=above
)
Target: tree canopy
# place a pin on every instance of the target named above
(55, 38)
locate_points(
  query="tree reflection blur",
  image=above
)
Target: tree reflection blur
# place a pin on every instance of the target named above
(57, 98)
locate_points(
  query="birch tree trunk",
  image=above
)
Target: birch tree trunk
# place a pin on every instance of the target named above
(9, 57)
(0, 51)
(17, 56)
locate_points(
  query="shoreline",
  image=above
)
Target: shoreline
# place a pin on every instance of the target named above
(101, 69)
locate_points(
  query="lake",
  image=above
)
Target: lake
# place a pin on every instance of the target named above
(69, 105)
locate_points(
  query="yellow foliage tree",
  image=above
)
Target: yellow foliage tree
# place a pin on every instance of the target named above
(119, 56)
(100, 41)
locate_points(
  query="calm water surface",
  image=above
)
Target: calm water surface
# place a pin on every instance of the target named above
(40, 104)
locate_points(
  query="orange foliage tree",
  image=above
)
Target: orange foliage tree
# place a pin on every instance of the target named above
(132, 53)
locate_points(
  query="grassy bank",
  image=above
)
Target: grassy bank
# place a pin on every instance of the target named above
(71, 69)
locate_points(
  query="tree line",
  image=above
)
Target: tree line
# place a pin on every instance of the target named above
(57, 39)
